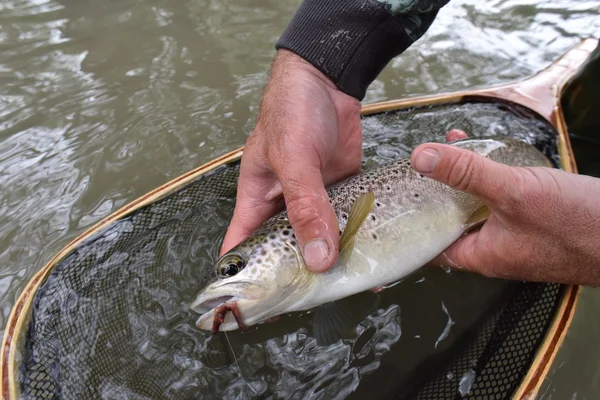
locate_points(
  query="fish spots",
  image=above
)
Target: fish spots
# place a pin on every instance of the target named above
(374, 236)
(272, 237)
(293, 242)
(345, 216)
(373, 218)
(388, 188)
(285, 232)
(416, 195)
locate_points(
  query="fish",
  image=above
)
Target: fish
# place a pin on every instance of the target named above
(392, 220)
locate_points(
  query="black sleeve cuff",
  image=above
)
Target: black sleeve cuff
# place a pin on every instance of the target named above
(351, 41)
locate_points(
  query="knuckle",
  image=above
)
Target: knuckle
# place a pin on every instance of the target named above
(285, 144)
(461, 174)
(255, 149)
(284, 151)
(516, 194)
(303, 212)
(528, 191)
(309, 151)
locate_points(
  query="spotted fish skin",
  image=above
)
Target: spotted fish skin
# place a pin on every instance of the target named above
(413, 219)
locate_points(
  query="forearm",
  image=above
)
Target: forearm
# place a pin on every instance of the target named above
(351, 41)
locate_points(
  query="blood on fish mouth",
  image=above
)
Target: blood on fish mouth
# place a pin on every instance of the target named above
(220, 314)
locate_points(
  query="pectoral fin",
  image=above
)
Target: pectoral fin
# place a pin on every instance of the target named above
(477, 218)
(358, 213)
(337, 320)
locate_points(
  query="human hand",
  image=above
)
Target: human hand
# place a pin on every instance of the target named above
(308, 135)
(544, 225)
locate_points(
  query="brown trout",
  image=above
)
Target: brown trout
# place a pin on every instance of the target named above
(393, 221)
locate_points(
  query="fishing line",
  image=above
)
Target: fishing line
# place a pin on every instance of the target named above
(236, 362)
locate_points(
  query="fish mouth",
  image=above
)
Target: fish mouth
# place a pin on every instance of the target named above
(243, 294)
(206, 305)
(203, 306)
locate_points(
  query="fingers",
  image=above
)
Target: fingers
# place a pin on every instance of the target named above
(250, 212)
(258, 198)
(456, 134)
(312, 216)
(464, 170)
(469, 253)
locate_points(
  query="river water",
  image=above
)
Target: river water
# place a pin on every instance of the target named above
(102, 101)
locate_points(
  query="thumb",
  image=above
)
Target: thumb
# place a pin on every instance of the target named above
(467, 171)
(311, 214)
(491, 182)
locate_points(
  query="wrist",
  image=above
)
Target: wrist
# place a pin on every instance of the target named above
(350, 42)
(287, 61)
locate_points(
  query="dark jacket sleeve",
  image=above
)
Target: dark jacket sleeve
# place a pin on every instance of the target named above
(351, 41)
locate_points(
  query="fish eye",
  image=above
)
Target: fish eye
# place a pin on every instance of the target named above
(231, 264)
(231, 270)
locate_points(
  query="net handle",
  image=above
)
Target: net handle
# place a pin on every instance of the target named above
(540, 93)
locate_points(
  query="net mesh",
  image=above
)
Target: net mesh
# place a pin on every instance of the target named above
(112, 319)
(492, 365)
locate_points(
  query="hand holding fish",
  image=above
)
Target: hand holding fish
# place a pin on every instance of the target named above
(307, 135)
(393, 220)
(544, 223)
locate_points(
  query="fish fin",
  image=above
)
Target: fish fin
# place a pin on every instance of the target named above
(336, 320)
(347, 251)
(358, 213)
(477, 218)
(330, 323)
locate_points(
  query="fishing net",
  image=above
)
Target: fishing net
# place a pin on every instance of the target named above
(493, 364)
(112, 319)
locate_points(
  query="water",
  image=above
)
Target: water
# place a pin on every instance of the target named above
(102, 101)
